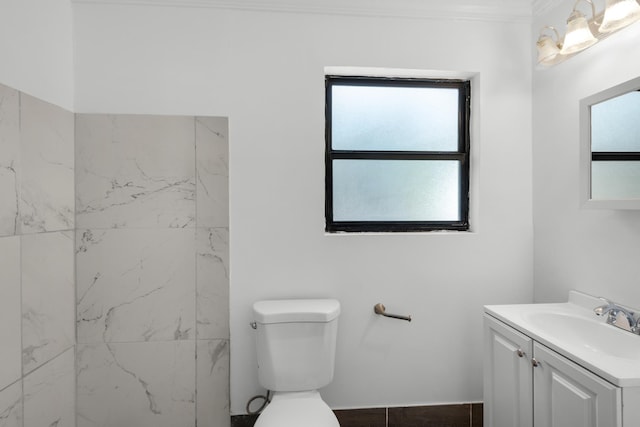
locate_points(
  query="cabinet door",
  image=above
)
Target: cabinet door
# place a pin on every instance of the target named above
(567, 395)
(508, 386)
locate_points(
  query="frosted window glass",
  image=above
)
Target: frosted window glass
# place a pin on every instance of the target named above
(394, 118)
(393, 190)
(615, 124)
(615, 180)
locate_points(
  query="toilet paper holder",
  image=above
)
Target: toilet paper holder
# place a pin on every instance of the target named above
(380, 309)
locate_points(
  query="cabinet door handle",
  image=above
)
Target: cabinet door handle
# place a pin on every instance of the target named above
(519, 352)
(535, 362)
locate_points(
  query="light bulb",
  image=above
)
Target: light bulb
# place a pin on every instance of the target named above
(619, 14)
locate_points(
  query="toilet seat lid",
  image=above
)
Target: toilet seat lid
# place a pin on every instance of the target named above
(296, 410)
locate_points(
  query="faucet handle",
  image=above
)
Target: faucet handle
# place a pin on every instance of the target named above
(623, 319)
(604, 309)
(619, 316)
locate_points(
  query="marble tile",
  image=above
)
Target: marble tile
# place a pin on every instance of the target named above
(9, 159)
(212, 273)
(48, 296)
(47, 166)
(49, 393)
(135, 171)
(149, 384)
(135, 285)
(212, 171)
(10, 335)
(212, 383)
(11, 405)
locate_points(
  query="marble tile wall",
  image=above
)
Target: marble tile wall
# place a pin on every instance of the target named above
(137, 383)
(47, 297)
(9, 160)
(49, 393)
(136, 285)
(10, 312)
(152, 262)
(37, 329)
(114, 231)
(135, 171)
(47, 167)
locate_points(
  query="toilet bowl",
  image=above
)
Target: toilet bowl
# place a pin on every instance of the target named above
(297, 409)
(296, 343)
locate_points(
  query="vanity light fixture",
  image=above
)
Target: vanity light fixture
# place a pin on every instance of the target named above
(583, 32)
(548, 48)
(619, 14)
(579, 35)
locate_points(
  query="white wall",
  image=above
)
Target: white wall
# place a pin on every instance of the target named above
(595, 251)
(265, 72)
(37, 49)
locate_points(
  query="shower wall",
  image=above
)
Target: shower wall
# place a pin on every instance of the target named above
(152, 270)
(37, 332)
(114, 233)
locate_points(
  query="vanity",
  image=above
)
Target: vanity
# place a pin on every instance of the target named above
(559, 365)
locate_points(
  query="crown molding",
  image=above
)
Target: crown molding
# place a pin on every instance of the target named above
(541, 7)
(480, 10)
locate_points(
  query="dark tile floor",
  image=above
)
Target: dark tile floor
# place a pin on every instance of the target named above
(463, 415)
(243, 420)
(374, 417)
(423, 416)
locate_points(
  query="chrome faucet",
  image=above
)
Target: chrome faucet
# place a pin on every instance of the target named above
(619, 316)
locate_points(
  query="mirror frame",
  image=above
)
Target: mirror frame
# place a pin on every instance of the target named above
(585, 148)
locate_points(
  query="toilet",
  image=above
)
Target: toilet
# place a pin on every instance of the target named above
(296, 344)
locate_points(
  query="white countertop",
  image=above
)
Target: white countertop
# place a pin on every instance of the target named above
(575, 331)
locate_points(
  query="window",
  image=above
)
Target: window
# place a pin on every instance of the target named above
(615, 147)
(397, 154)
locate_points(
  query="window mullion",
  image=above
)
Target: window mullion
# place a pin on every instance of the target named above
(615, 156)
(398, 155)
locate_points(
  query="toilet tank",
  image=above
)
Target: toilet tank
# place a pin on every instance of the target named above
(296, 343)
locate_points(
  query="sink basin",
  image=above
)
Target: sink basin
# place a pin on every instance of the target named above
(573, 330)
(590, 333)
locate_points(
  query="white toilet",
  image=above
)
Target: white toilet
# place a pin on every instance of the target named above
(296, 344)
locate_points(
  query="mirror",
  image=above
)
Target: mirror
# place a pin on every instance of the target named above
(610, 152)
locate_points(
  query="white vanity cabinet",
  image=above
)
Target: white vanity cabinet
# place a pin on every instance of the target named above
(566, 394)
(526, 384)
(508, 380)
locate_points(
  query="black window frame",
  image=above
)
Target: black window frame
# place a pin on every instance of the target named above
(615, 156)
(462, 154)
